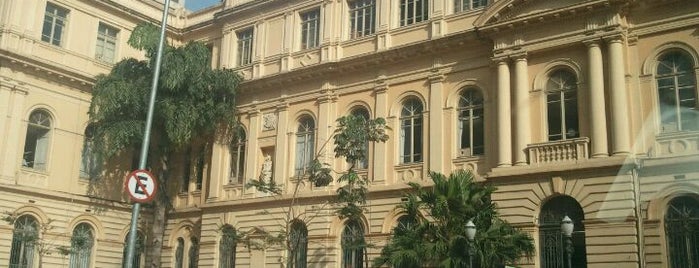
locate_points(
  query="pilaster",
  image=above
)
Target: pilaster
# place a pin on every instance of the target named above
(252, 147)
(280, 150)
(380, 148)
(436, 127)
(12, 128)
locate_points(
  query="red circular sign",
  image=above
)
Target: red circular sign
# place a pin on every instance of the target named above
(141, 186)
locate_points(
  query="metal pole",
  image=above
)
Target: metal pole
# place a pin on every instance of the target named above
(131, 246)
(569, 251)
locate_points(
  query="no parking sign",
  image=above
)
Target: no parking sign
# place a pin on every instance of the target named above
(141, 186)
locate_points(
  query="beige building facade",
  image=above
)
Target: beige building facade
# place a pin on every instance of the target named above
(586, 109)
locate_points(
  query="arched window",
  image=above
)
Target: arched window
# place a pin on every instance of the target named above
(553, 242)
(24, 236)
(305, 141)
(471, 134)
(179, 253)
(353, 245)
(36, 144)
(227, 247)
(562, 105)
(405, 222)
(682, 232)
(89, 164)
(81, 246)
(298, 244)
(140, 246)
(194, 253)
(362, 113)
(677, 88)
(237, 150)
(411, 131)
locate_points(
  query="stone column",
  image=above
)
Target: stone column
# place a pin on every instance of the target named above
(504, 116)
(521, 110)
(617, 89)
(280, 161)
(598, 119)
(380, 148)
(436, 126)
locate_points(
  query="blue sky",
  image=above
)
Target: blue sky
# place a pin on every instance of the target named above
(195, 5)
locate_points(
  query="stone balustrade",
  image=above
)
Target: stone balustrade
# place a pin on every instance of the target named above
(558, 151)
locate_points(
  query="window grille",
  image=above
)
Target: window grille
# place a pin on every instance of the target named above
(81, 244)
(353, 245)
(24, 237)
(682, 232)
(552, 241)
(298, 237)
(227, 248)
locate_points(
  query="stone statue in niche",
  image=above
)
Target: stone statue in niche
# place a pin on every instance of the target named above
(269, 122)
(266, 174)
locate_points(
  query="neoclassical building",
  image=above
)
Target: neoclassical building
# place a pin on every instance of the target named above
(578, 108)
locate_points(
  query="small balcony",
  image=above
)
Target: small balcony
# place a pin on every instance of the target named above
(552, 152)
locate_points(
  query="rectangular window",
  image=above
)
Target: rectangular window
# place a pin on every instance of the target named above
(106, 43)
(55, 20)
(413, 11)
(465, 5)
(362, 18)
(310, 22)
(245, 46)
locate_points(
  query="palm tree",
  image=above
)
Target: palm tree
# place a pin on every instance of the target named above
(437, 236)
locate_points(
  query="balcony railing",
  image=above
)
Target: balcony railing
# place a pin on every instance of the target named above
(558, 151)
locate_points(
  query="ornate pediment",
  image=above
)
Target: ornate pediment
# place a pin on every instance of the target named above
(504, 11)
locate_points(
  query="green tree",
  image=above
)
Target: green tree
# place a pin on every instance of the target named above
(194, 105)
(436, 235)
(351, 138)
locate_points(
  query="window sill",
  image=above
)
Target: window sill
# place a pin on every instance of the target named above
(233, 185)
(469, 158)
(35, 171)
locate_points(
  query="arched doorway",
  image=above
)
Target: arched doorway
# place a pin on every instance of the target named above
(552, 241)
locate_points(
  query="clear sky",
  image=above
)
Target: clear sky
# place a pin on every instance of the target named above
(195, 5)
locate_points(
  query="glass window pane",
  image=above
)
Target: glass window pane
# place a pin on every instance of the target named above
(554, 119)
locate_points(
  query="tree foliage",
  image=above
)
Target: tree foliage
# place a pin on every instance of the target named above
(192, 101)
(439, 239)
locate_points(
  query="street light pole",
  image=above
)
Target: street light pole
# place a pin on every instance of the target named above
(567, 230)
(470, 234)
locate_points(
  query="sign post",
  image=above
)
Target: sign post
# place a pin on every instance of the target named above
(131, 246)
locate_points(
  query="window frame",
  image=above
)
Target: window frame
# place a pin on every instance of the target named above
(367, 8)
(82, 257)
(104, 38)
(414, 121)
(310, 28)
(227, 247)
(237, 163)
(679, 125)
(563, 102)
(179, 253)
(306, 136)
(51, 18)
(410, 14)
(245, 45)
(471, 107)
(354, 231)
(39, 129)
(26, 253)
(299, 256)
(468, 5)
(363, 112)
(90, 162)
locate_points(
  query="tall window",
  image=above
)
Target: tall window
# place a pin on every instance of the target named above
(81, 246)
(179, 253)
(186, 170)
(305, 141)
(201, 164)
(106, 43)
(36, 144)
(677, 89)
(405, 222)
(411, 131)
(55, 20)
(562, 105)
(89, 161)
(227, 247)
(471, 134)
(463, 5)
(237, 150)
(245, 46)
(310, 29)
(353, 245)
(682, 232)
(24, 235)
(298, 238)
(413, 11)
(194, 253)
(362, 18)
(362, 112)
(552, 241)
(140, 246)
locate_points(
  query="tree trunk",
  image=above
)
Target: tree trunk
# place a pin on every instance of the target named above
(160, 208)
